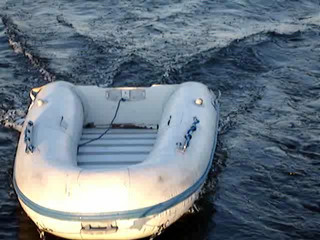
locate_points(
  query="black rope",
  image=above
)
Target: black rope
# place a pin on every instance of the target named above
(107, 130)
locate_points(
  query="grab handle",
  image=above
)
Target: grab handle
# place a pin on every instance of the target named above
(92, 230)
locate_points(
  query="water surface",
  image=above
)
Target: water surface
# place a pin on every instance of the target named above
(262, 55)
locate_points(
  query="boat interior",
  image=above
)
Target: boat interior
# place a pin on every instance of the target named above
(131, 136)
(118, 147)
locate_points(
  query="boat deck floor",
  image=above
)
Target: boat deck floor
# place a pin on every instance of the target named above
(118, 147)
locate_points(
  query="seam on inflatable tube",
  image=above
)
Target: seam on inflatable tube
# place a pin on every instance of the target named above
(137, 213)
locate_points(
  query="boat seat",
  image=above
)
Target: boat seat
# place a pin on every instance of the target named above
(119, 147)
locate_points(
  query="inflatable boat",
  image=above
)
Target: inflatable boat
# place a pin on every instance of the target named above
(114, 163)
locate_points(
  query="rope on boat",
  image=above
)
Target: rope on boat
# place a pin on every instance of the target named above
(28, 137)
(188, 136)
(107, 130)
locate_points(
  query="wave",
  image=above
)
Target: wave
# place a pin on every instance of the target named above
(18, 41)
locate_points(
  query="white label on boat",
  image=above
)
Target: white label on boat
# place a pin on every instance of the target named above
(127, 94)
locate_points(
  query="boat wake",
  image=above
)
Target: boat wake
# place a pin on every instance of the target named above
(18, 41)
(13, 118)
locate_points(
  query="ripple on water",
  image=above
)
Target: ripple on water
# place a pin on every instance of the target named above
(263, 56)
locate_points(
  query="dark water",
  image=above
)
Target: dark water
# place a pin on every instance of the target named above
(264, 56)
